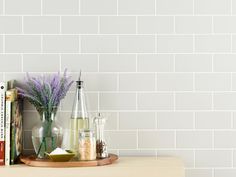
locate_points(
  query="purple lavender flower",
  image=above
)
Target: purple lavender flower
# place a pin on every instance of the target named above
(46, 92)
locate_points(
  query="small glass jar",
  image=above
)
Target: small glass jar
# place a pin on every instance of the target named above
(87, 145)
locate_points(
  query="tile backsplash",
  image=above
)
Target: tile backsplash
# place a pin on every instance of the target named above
(162, 71)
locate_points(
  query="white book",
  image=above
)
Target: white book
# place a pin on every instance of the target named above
(10, 96)
(2, 122)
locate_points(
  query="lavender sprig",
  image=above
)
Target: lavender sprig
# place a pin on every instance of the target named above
(46, 92)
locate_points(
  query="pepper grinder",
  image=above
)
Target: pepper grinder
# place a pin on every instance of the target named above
(101, 146)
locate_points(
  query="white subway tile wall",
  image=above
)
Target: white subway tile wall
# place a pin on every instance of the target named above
(163, 72)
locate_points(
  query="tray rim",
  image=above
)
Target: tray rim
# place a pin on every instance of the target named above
(32, 161)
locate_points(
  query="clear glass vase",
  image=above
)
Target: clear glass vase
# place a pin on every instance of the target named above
(46, 135)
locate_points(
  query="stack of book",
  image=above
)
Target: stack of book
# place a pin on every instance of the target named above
(11, 128)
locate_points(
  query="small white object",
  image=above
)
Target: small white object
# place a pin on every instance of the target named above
(58, 151)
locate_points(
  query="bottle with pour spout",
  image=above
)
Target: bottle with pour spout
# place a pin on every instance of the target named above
(79, 117)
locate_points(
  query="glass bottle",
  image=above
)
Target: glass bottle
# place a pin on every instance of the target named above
(79, 118)
(87, 145)
(101, 146)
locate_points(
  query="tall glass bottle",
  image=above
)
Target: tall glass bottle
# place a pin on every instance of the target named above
(79, 118)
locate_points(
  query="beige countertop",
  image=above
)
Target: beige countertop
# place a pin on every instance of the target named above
(124, 167)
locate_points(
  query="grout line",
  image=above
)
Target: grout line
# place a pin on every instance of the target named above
(22, 63)
(3, 43)
(79, 8)
(99, 25)
(117, 7)
(60, 23)
(22, 25)
(60, 64)
(4, 7)
(41, 7)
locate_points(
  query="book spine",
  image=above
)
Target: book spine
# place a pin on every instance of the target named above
(2, 123)
(8, 132)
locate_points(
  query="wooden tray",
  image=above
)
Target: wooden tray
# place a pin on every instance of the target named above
(32, 161)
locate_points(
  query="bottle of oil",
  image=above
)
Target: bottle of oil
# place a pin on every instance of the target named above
(79, 118)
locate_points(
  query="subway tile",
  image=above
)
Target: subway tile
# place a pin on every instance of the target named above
(174, 43)
(137, 44)
(234, 43)
(224, 139)
(117, 101)
(193, 63)
(155, 24)
(213, 43)
(30, 120)
(111, 120)
(117, 62)
(79, 24)
(56, 7)
(22, 44)
(224, 24)
(41, 25)
(23, 7)
(234, 120)
(233, 7)
(194, 139)
(210, 158)
(60, 44)
(233, 81)
(135, 153)
(193, 24)
(224, 62)
(225, 172)
(174, 7)
(155, 63)
(175, 120)
(41, 63)
(186, 155)
(155, 101)
(137, 120)
(77, 62)
(101, 7)
(1, 7)
(212, 82)
(117, 25)
(136, 82)
(121, 139)
(91, 99)
(100, 82)
(98, 44)
(193, 101)
(19, 77)
(27, 136)
(140, 7)
(212, 7)
(198, 172)
(10, 25)
(213, 120)
(174, 82)
(1, 44)
(12, 60)
(224, 101)
(156, 139)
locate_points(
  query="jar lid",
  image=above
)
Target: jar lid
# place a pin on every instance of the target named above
(86, 133)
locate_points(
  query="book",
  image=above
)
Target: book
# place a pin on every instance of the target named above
(16, 144)
(2, 123)
(10, 97)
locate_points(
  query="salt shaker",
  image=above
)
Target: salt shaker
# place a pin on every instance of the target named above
(101, 146)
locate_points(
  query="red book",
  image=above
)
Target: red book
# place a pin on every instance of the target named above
(2, 123)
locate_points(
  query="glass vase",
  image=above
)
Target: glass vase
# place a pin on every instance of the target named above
(46, 135)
